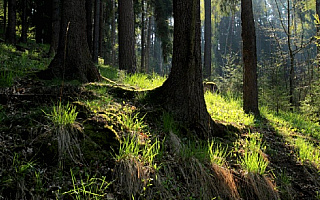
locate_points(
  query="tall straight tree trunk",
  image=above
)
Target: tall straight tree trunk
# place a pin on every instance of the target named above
(207, 38)
(89, 9)
(113, 33)
(5, 3)
(55, 27)
(148, 46)
(291, 58)
(11, 30)
(73, 60)
(250, 85)
(143, 37)
(96, 31)
(23, 37)
(182, 93)
(126, 31)
(318, 27)
(101, 26)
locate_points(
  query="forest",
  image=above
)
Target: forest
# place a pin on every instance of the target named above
(160, 99)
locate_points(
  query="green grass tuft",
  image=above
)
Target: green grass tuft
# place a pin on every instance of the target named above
(252, 159)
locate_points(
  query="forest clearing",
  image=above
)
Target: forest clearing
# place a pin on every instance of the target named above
(168, 99)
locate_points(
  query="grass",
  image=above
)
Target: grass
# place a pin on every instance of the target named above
(63, 115)
(308, 152)
(227, 109)
(16, 64)
(252, 159)
(217, 153)
(131, 148)
(64, 131)
(88, 188)
(144, 81)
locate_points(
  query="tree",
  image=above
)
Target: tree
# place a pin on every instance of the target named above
(207, 38)
(11, 29)
(127, 58)
(23, 37)
(55, 27)
(89, 8)
(182, 93)
(73, 60)
(96, 29)
(250, 85)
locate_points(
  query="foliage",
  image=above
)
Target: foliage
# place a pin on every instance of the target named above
(231, 79)
(15, 64)
(227, 109)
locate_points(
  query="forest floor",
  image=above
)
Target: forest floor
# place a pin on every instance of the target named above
(120, 147)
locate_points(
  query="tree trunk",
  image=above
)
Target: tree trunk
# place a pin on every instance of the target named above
(148, 44)
(11, 30)
(55, 27)
(291, 54)
(143, 37)
(89, 8)
(250, 86)
(23, 37)
(318, 27)
(182, 93)
(101, 26)
(207, 38)
(5, 3)
(113, 34)
(96, 31)
(73, 60)
(127, 58)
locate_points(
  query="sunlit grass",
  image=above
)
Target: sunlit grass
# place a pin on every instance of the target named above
(292, 122)
(217, 153)
(252, 159)
(131, 148)
(144, 81)
(62, 115)
(88, 188)
(109, 72)
(308, 152)
(227, 109)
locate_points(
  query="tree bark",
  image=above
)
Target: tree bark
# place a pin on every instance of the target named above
(148, 46)
(73, 60)
(127, 57)
(96, 31)
(113, 34)
(23, 37)
(5, 3)
(182, 93)
(207, 38)
(55, 27)
(143, 38)
(11, 29)
(89, 8)
(250, 85)
(101, 27)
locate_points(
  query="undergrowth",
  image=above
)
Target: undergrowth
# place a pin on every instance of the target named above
(227, 109)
